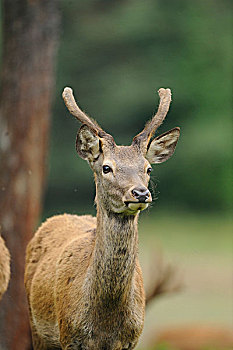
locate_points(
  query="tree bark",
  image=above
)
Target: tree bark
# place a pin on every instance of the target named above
(30, 32)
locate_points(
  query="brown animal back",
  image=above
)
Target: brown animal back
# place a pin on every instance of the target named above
(4, 267)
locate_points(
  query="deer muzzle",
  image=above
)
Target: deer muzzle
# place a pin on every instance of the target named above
(142, 194)
(138, 198)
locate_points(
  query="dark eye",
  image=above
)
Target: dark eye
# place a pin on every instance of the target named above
(106, 169)
(149, 170)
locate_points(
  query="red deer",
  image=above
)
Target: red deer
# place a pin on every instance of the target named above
(83, 278)
(4, 267)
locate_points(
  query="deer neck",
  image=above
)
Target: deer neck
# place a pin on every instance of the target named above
(111, 271)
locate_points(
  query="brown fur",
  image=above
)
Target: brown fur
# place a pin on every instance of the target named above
(196, 337)
(4, 267)
(82, 277)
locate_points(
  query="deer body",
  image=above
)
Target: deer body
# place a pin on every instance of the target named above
(82, 277)
(74, 265)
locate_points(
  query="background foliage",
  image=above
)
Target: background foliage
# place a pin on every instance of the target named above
(116, 55)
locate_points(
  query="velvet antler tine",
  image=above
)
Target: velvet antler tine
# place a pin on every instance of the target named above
(76, 111)
(165, 100)
(143, 138)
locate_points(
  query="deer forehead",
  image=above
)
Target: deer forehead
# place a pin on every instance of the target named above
(125, 158)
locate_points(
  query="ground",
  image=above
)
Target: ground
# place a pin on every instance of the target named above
(201, 248)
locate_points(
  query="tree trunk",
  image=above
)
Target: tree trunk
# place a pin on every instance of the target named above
(30, 31)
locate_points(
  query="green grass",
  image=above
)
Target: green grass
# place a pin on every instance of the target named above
(200, 246)
(186, 232)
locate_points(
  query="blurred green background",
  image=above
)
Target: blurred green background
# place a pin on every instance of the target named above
(116, 55)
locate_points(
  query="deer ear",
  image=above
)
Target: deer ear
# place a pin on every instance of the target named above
(87, 144)
(163, 146)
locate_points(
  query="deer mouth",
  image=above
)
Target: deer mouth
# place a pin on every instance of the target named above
(135, 206)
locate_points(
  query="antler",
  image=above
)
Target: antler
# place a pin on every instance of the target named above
(77, 113)
(143, 138)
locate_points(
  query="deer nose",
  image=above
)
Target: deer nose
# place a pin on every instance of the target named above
(141, 194)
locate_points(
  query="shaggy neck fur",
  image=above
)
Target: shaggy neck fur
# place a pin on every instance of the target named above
(112, 266)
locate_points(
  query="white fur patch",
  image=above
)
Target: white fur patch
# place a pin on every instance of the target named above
(137, 206)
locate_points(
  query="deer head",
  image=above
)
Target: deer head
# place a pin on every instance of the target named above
(122, 173)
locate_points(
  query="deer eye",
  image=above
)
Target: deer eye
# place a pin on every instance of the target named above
(106, 169)
(149, 170)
